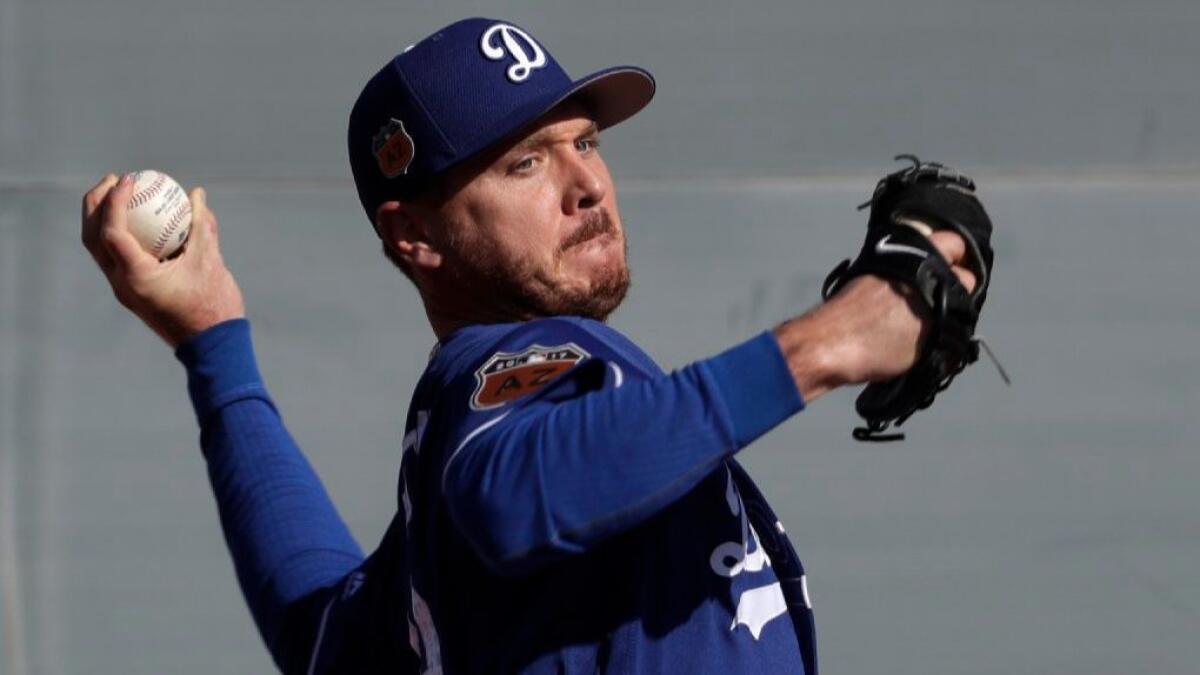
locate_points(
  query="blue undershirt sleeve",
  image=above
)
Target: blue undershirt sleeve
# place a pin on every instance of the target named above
(283, 532)
(554, 477)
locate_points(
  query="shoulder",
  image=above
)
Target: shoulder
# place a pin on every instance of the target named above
(490, 367)
(563, 340)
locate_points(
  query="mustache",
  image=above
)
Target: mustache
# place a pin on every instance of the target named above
(595, 224)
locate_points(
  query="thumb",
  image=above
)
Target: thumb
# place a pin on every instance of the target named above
(204, 221)
(126, 252)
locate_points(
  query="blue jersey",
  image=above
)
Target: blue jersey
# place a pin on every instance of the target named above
(564, 506)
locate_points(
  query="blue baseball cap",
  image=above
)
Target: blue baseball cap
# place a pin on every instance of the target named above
(463, 90)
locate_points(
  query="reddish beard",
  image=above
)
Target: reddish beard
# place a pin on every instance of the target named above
(516, 287)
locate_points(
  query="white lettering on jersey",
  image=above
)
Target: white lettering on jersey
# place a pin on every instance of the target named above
(733, 557)
(757, 606)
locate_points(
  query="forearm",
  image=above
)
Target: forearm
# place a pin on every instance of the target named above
(555, 481)
(283, 532)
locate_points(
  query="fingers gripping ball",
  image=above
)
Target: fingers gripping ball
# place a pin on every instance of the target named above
(160, 214)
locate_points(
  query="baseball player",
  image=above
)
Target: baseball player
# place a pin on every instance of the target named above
(564, 505)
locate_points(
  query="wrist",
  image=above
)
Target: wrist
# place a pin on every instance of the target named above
(179, 322)
(813, 355)
(175, 332)
(204, 322)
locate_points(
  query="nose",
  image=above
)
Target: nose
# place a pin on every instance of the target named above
(585, 187)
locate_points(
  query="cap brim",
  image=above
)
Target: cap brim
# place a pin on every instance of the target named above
(612, 95)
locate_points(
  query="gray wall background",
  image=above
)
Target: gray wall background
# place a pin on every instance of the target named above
(1048, 528)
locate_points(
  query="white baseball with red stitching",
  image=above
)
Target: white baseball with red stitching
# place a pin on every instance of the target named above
(160, 214)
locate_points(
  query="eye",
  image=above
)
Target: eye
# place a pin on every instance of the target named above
(523, 165)
(586, 144)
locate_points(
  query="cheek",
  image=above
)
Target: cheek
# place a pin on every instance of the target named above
(524, 227)
(535, 221)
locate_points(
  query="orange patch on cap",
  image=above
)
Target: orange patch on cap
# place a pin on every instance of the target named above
(393, 148)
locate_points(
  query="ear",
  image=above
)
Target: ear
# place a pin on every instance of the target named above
(402, 228)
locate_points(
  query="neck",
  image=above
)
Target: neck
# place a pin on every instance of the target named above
(448, 312)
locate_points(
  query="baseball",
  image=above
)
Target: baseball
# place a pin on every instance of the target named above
(160, 214)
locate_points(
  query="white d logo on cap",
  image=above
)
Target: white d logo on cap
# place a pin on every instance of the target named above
(525, 63)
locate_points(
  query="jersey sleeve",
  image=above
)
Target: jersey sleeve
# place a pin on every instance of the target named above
(604, 446)
(284, 534)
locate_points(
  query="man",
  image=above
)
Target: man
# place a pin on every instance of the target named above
(564, 505)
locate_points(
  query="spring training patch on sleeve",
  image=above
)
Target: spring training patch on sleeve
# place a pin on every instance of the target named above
(507, 376)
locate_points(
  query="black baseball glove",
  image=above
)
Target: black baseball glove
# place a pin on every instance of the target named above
(907, 206)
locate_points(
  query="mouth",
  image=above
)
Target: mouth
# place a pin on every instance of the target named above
(595, 225)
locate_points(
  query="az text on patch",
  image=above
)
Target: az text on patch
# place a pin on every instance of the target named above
(507, 376)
